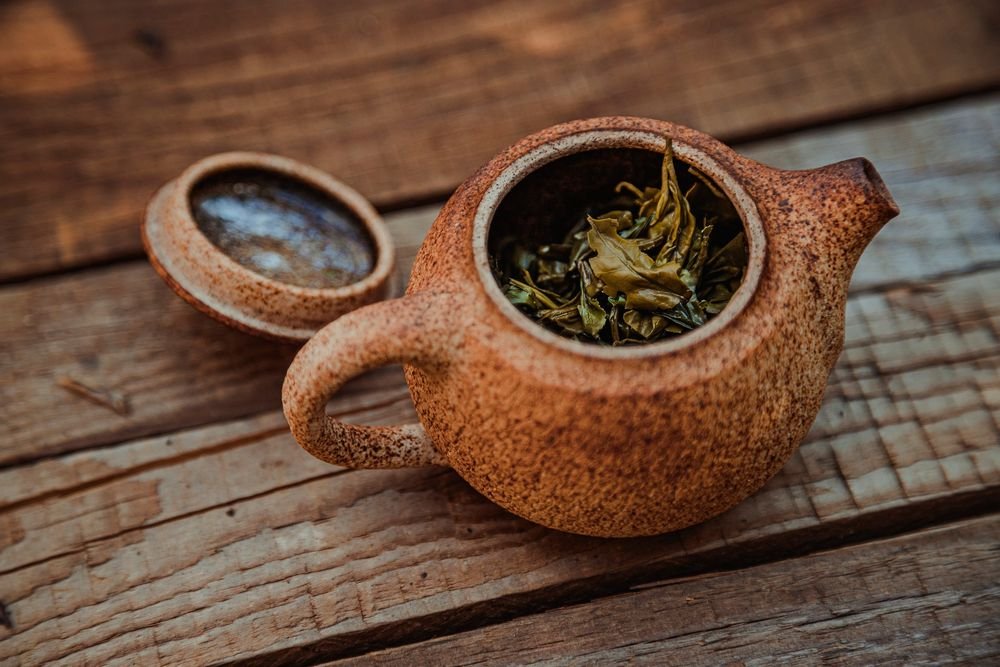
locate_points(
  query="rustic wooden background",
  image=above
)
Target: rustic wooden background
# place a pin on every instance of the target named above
(191, 529)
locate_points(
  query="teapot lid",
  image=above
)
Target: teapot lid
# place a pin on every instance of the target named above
(267, 244)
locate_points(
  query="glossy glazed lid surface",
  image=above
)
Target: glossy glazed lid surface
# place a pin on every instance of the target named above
(268, 245)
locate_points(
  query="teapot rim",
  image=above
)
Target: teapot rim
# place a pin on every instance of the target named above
(576, 141)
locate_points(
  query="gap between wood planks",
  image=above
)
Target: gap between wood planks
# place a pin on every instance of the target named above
(930, 597)
(397, 106)
(880, 416)
(436, 199)
(120, 328)
(736, 555)
(52, 483)
(867, 468)
(272, 423)
(795, 544)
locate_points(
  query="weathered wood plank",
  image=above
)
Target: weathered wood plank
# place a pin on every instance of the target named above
(929, 598)
(102, 102)
(121, 329)
(239, 546)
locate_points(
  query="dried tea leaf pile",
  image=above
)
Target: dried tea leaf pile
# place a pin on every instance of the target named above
(654, 262)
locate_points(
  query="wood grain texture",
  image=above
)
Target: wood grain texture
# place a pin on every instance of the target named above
(942, 164)
(929, 598)
(228, 542)
(102, 102)
(120, 328)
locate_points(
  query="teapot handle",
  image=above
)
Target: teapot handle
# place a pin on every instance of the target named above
(396, 331)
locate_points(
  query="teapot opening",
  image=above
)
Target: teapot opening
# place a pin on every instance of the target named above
(539, 197)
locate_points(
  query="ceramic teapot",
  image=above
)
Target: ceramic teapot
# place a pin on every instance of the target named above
(608, 441)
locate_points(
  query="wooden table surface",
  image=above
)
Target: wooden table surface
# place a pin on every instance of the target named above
(181, 524)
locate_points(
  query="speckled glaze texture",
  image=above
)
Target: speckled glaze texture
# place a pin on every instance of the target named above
(217, 285)
(533, 421)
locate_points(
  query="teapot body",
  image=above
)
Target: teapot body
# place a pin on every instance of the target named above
(607, 448)
(637, 440)
(649, 438)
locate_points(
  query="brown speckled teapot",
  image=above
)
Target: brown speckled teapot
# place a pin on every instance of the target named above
(610, 441)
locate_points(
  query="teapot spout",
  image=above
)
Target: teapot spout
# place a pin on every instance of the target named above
(852, 204)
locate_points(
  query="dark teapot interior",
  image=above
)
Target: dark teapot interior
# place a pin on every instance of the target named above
(550, 200)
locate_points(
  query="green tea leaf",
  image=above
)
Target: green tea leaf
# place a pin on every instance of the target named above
(650, 262)
(592, 314)
(638, 228)
(616, 322)
(590, 284)
(540, 296)
(691, 273)
(625, 185)
(624, 268)
(566, 317)
(521, 297)
(551, 273)
(581, 248)
(648, 325)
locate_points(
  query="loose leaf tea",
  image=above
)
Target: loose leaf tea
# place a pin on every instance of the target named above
(648, 264)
